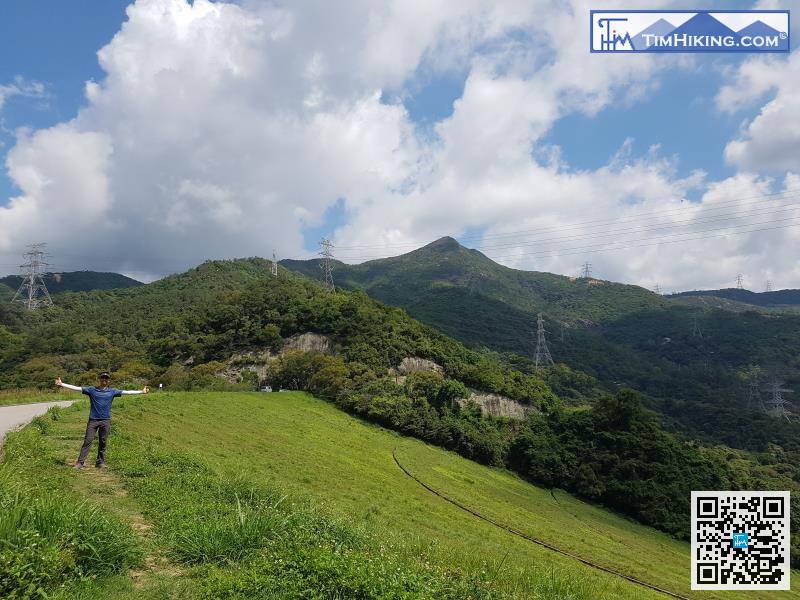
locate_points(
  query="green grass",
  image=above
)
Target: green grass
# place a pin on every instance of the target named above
(49, 535)
(278, 495)
(29, 396)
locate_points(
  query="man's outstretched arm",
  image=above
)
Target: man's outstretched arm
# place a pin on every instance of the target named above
(142, 391)
(74, 388)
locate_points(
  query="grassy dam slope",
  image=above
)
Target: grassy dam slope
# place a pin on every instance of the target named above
(319, 456)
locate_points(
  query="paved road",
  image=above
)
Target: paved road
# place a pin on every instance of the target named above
(12, 417)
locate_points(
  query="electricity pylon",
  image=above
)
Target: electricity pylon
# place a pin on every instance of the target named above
(586, 271)
(740, 282)
(33, 292)
(657, 289)
(542, 357)
(274, 264)
(752, 376)
(768, 286)
(775, 405)
(326, 252)
(696, 332)
(753, 393)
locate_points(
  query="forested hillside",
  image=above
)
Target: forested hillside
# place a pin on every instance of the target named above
(187, 331)
(76, 281)
(694, 360)
(773, 299)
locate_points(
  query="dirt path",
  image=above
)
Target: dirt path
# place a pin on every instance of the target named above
(104, 487)
(17, 415)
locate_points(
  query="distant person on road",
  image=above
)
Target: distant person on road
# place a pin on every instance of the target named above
(100, 398)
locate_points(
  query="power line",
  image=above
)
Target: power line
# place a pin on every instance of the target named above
(616, 233)
(611, 232)
(652, 241)
(33, 292)
(665, 239)
(640, 243)
(789, 194)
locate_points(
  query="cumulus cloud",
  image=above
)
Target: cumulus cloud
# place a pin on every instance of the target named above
(225, 130)
(771, 140)
(59, 192)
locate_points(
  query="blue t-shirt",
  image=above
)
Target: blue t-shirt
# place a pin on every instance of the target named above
(100, 399)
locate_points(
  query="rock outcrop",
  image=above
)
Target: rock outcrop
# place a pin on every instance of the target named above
(307, 342)
(258, 361)
(497, 405)
(254, 361)
(412, 364)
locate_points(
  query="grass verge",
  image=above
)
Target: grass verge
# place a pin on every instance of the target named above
(49, 537)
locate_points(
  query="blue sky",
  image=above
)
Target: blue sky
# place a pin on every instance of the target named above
(350, 185)
(680, 117)
(54, 43)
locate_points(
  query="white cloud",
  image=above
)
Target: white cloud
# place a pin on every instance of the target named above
(21, 87)
(771, 140)
(59, 192)
(224, 130)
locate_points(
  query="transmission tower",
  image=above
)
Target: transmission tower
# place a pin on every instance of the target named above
(696, 332)
(753, 393)
(542, 357)
(33, 292)
(326, 252)
(768, 286)
(775, 405)
(586, 270)
(739, 282)
(274, 264)
(657, 289)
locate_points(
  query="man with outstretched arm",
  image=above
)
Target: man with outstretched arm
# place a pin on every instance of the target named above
(99, 416)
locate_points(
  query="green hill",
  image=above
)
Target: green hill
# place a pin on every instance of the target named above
(76, 281)
(232, 495)
(205, 328)
(691, 357)
(432, 277)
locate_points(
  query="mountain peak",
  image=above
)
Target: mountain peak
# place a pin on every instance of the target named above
(444, 243)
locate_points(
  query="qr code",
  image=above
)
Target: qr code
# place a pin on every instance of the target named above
(740, 540)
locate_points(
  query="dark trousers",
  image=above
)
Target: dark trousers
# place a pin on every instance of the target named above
(95, 427)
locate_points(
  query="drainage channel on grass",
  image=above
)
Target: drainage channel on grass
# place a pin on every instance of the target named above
(531, 539)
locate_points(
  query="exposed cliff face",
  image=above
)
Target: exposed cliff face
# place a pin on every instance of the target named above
(258, 361)
(412, 364)
(255, 361)
(307, 342)
(497, 406)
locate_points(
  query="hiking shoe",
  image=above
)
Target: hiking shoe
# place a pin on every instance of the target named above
(100, 465)
(77, 465)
